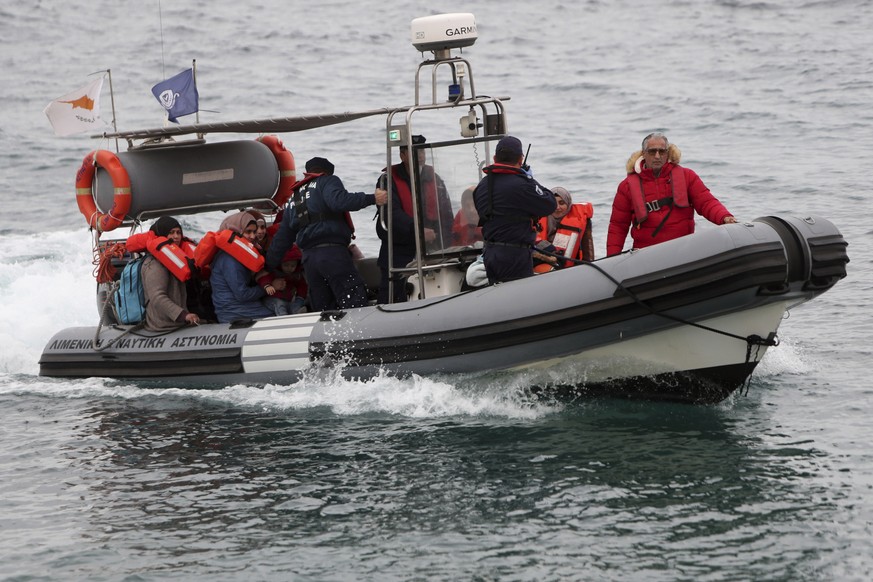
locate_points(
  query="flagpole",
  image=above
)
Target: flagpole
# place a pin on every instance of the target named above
(112, 100)
(194, 74)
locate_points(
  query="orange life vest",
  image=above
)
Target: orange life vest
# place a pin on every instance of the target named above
(568, 235)
(431, 201)
(138, 243)
(233, 244)
(638, 196)
(173, 257)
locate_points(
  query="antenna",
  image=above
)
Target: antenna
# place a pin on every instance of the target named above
(161, 23)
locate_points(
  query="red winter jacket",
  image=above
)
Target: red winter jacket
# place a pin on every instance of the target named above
(679, 223)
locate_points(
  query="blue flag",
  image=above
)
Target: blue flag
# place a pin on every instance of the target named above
(178, 95)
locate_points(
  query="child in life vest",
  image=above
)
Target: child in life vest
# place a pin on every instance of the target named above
(286, 294)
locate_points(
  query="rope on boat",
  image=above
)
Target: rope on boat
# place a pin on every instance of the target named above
(107, 305)
(753, 340)
(104, 270)
(110, 304)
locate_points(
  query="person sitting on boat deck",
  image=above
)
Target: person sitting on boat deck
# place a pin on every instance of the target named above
(289, 296)
(437, 220)
(659, 198)
(197, 286)
(566, 232)
(510, 202)
(318, 220)
(166, 296)
(262, 239)
(234, 291)
(465, 228)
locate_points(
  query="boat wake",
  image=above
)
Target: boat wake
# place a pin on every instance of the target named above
(412, 397)
(786, 358)
(503, 395)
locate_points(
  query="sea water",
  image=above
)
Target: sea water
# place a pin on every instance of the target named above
(430, 478)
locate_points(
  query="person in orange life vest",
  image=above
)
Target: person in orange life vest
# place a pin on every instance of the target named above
(566, 232)
(510, 202)
(165, 295)
(289, 296)
(465, 228)
(437, 220)
(318, 221)
(659, 198)
(197, 286)
(234, 292)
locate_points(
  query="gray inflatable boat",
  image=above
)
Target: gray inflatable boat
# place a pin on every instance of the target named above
(685, 320)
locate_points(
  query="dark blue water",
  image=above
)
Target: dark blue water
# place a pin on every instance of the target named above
(329, 479)
(157, 487)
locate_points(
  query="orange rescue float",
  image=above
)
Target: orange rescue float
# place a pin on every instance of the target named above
(85, 193)
(287, 169)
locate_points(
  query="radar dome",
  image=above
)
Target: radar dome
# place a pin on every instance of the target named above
(444, 31)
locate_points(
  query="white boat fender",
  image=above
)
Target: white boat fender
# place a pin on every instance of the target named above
(476, 275)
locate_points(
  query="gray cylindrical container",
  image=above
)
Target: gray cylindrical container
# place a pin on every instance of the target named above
(184, 178)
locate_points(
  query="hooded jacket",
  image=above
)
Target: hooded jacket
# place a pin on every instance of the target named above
(669, 221)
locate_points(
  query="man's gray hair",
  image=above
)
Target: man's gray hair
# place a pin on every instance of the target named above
(656, 134)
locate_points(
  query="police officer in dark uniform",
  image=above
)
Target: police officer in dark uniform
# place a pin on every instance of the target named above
(437, 217)
(319, 222)
(510, 203)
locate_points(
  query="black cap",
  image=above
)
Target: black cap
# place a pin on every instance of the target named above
(319, 164)
(510, 144)
(418, 139)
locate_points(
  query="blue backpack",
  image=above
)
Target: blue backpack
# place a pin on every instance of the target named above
(130, 298)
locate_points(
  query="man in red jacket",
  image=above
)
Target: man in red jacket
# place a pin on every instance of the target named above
(658, 198)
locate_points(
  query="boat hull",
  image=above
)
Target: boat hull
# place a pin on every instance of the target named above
(685, 320)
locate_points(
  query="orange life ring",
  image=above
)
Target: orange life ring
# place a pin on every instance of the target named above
(287, 169)
(85, 193)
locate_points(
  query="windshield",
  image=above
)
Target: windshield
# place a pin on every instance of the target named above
(448, 174)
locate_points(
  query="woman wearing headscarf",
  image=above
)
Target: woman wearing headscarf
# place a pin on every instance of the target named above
(235, 295)
(566, 232)
(165, 295)
(262, 235)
